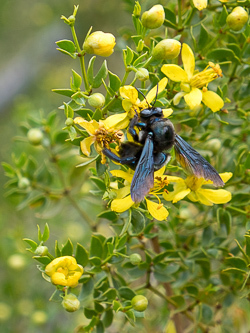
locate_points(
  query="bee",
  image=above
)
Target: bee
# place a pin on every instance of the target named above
(147, 153)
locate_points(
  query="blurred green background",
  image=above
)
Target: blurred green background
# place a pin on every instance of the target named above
(30, 67)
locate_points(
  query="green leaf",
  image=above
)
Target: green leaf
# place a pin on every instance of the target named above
(169, 15)
(82, 255)
(33, 245)
(247, 238)
(100, 327)
(203, 38)
(89, 313)
(224, 218)
(45, 235)
(138, 221)
(99, 183)
(77, 80)
(68, 111)
(96, 247)
(223, 54)
(72, 132)
(109, 215)
(110, 294)
(129, 55)
(114, 81)
(79, 98)
(9, 170)
(206, 313)
(64, 92)
(237, 262)
(96, 81)
(126, 293)
(67, 249)
(66, 45)
(58, 252)
(43, 260)
(180, 302)
(108, 318)
(191, 122)
(126, 224)
(223, 16)
(88, 161)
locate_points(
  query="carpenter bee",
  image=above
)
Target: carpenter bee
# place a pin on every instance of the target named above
(146, 154)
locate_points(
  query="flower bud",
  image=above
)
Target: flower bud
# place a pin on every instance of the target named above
(69, 121)
(71, 20)
(142, 74)
(96, 100)
(137, 9)
(135, 258)
(167, 49)
(41, 250)
(35, 136)
(99, 43)
(153, 18)
(71, 303)
(237, 19)
(139, 303)
(23, 183)
(200, 4)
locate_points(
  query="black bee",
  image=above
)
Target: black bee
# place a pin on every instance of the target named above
(145, 155)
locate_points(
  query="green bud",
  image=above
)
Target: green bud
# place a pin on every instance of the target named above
(135, 258)
(166, 49)
(69, 121)
(214, 145)
(139, 303)
(41, 250)
(137, 9)
(71, 303)
(71, 20)
(35, 136)
(23, 183)
(142, 74)
(153, 18)
(96, 100)
(237, 19)
(140, 46)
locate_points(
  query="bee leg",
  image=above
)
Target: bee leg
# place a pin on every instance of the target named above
(131, 128)
(161, 159)
(118, 159)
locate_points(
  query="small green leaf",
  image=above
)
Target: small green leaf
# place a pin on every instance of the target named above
(58, 252)
(72, 133)
(43, 260)
(247, 238)
(129, 55)
(79, 98)
(138, 221)
(96, 247)
(108, 318)
(223, 16)
(180, 302)
(101, 75)
(45, 235)
(82, 255)
(206, 313)
(126, 293)
(114, 81)
(68, 111)
(9, 170)
(110, 294)
(66, 45)
(203, 38)
(65, 92)
(191, 122)
(224, 218)
(126, 224)
(33, 245)
(109, 215)
(169, 15)
(77, 81)
(67, 249)
(237, 262)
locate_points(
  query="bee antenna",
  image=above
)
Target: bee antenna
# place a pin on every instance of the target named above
(139, 91)
(157, 88)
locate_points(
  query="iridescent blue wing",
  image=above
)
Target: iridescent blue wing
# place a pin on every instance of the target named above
(194, 163)
(143, 179)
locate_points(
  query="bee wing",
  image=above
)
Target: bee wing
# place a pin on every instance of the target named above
(143, 179)
(191, 160)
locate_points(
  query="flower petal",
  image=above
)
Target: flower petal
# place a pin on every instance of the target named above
(200, 4)
(225, 176)
(158, 211)
(175, 73)
(212, 100)
(180, 191)
(122, 174)
(167, 112)
(193, 98)
(122, 192)
(160, 172)
(216, 196)
(119, 121)
(175, 179)
(129, 92)
(120, 205)
(188, 60)
(89, 126)
(157, 89)
(85, 145)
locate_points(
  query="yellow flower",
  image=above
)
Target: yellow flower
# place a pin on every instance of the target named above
(131, 102)
(194, 85)
(124, 200)
(100, 135)
(192, 188)
(200, 4)
(99, 43)
(64, 271)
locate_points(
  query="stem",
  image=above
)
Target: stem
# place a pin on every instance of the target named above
(179, 14)
(84, 75)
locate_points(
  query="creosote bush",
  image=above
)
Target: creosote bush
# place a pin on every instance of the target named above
(177, 260)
